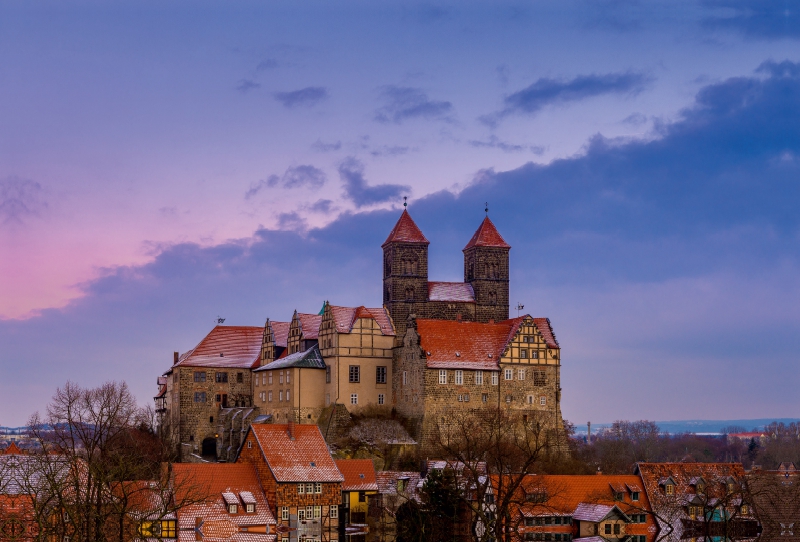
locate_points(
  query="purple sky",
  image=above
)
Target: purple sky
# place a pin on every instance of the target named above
(163, 163)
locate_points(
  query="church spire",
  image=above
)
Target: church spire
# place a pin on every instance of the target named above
(487, 236)
(406, 231)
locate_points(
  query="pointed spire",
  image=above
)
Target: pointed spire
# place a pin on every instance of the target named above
(487, 236)
(406, 231)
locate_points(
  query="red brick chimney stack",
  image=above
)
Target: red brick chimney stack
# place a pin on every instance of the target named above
(290, 428)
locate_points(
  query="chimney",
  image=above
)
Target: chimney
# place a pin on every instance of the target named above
(175, 357)
(290, 428)
(491, 320)
(588, 432)
(458, 317)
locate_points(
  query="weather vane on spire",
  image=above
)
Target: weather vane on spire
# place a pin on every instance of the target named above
(405, 201)
(487, 208)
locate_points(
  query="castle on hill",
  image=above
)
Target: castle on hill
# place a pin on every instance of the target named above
(431, 349)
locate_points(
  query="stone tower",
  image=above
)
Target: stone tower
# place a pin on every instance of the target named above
(405, 270)
(486, 270)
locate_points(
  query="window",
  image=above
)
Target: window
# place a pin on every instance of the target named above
(146, 529)
(269, 396)
(478, 378)
(269, 377)
(405, 378)
(280, 395)
(233, 508)
(459, 376)
(327, 374)
(523, 353)
(485, 397)
(301, 514)
(442, 376)
(543, 400)
(353, 398)
(355, 373)
(634, 495)
(222, 377)
(669, 489)
(534, 354)
(539, 378)
(280, 377)
(509, 374)
(317, 512)
(334, 512)
(530, 399)
(618, 496)
(249, 443)
(301, 489)
(494, 378)
(169, 528)
(380, 375)
(284, 513)
(317, 487)
(199, 376)
(380, 398)
(521, 374)
(199, 397)
(744, 510)
(287, 395)
(362, 496)
(508, 398)
(288, 377)
(250, 508)
(608, 528)
(239, 378)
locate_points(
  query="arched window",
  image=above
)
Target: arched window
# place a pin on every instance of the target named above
(409, 265)
(387, 265)
(409, 294)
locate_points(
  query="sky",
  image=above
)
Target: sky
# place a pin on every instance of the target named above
(163, 164)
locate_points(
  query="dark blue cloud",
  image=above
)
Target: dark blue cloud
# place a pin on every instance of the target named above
(407, 103)
(351, 171)
(665, 261)
(760, 19)
(20, 199)
(304, 97)
(246, 85)
(556, 91)
(294, 177)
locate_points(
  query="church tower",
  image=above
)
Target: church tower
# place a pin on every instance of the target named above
(405, 271)
(486, 270)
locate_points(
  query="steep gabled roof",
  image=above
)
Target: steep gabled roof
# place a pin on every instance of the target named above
(544, 327)
(305, 458)
(309, 324)
(405, 231)
(468, 345)
(280, 333)
(345, 317)
(237, 347)
(459, 292)
(359, 474)
(487, 236)
(308, 359)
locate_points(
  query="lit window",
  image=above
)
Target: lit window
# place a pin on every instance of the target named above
(521, 374)
(380, 398)
(317, 512)
(543, 400)
(355, 374)
(478, 378)
(442, 376)
(146, 529)
(459, 377)
(169, 528)
(353, 398)
(495, 378)
(380, 375)
(334, 512)
(669, 489)
(509, 374)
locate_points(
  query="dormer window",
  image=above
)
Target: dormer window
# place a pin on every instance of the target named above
(250, 508)
(233, 508)
(635, 496)
(669, 489)
(619, 496)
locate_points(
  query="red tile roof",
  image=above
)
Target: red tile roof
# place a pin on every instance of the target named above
(205, 485)
(280, 332)
(544, 327)
(449, 344)
(359, 474)
(405, 231)
(451, 291)
(226, 346)
(345, 317)
(12, 449)
(309, 324)
(304, 459)
(487, 236)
